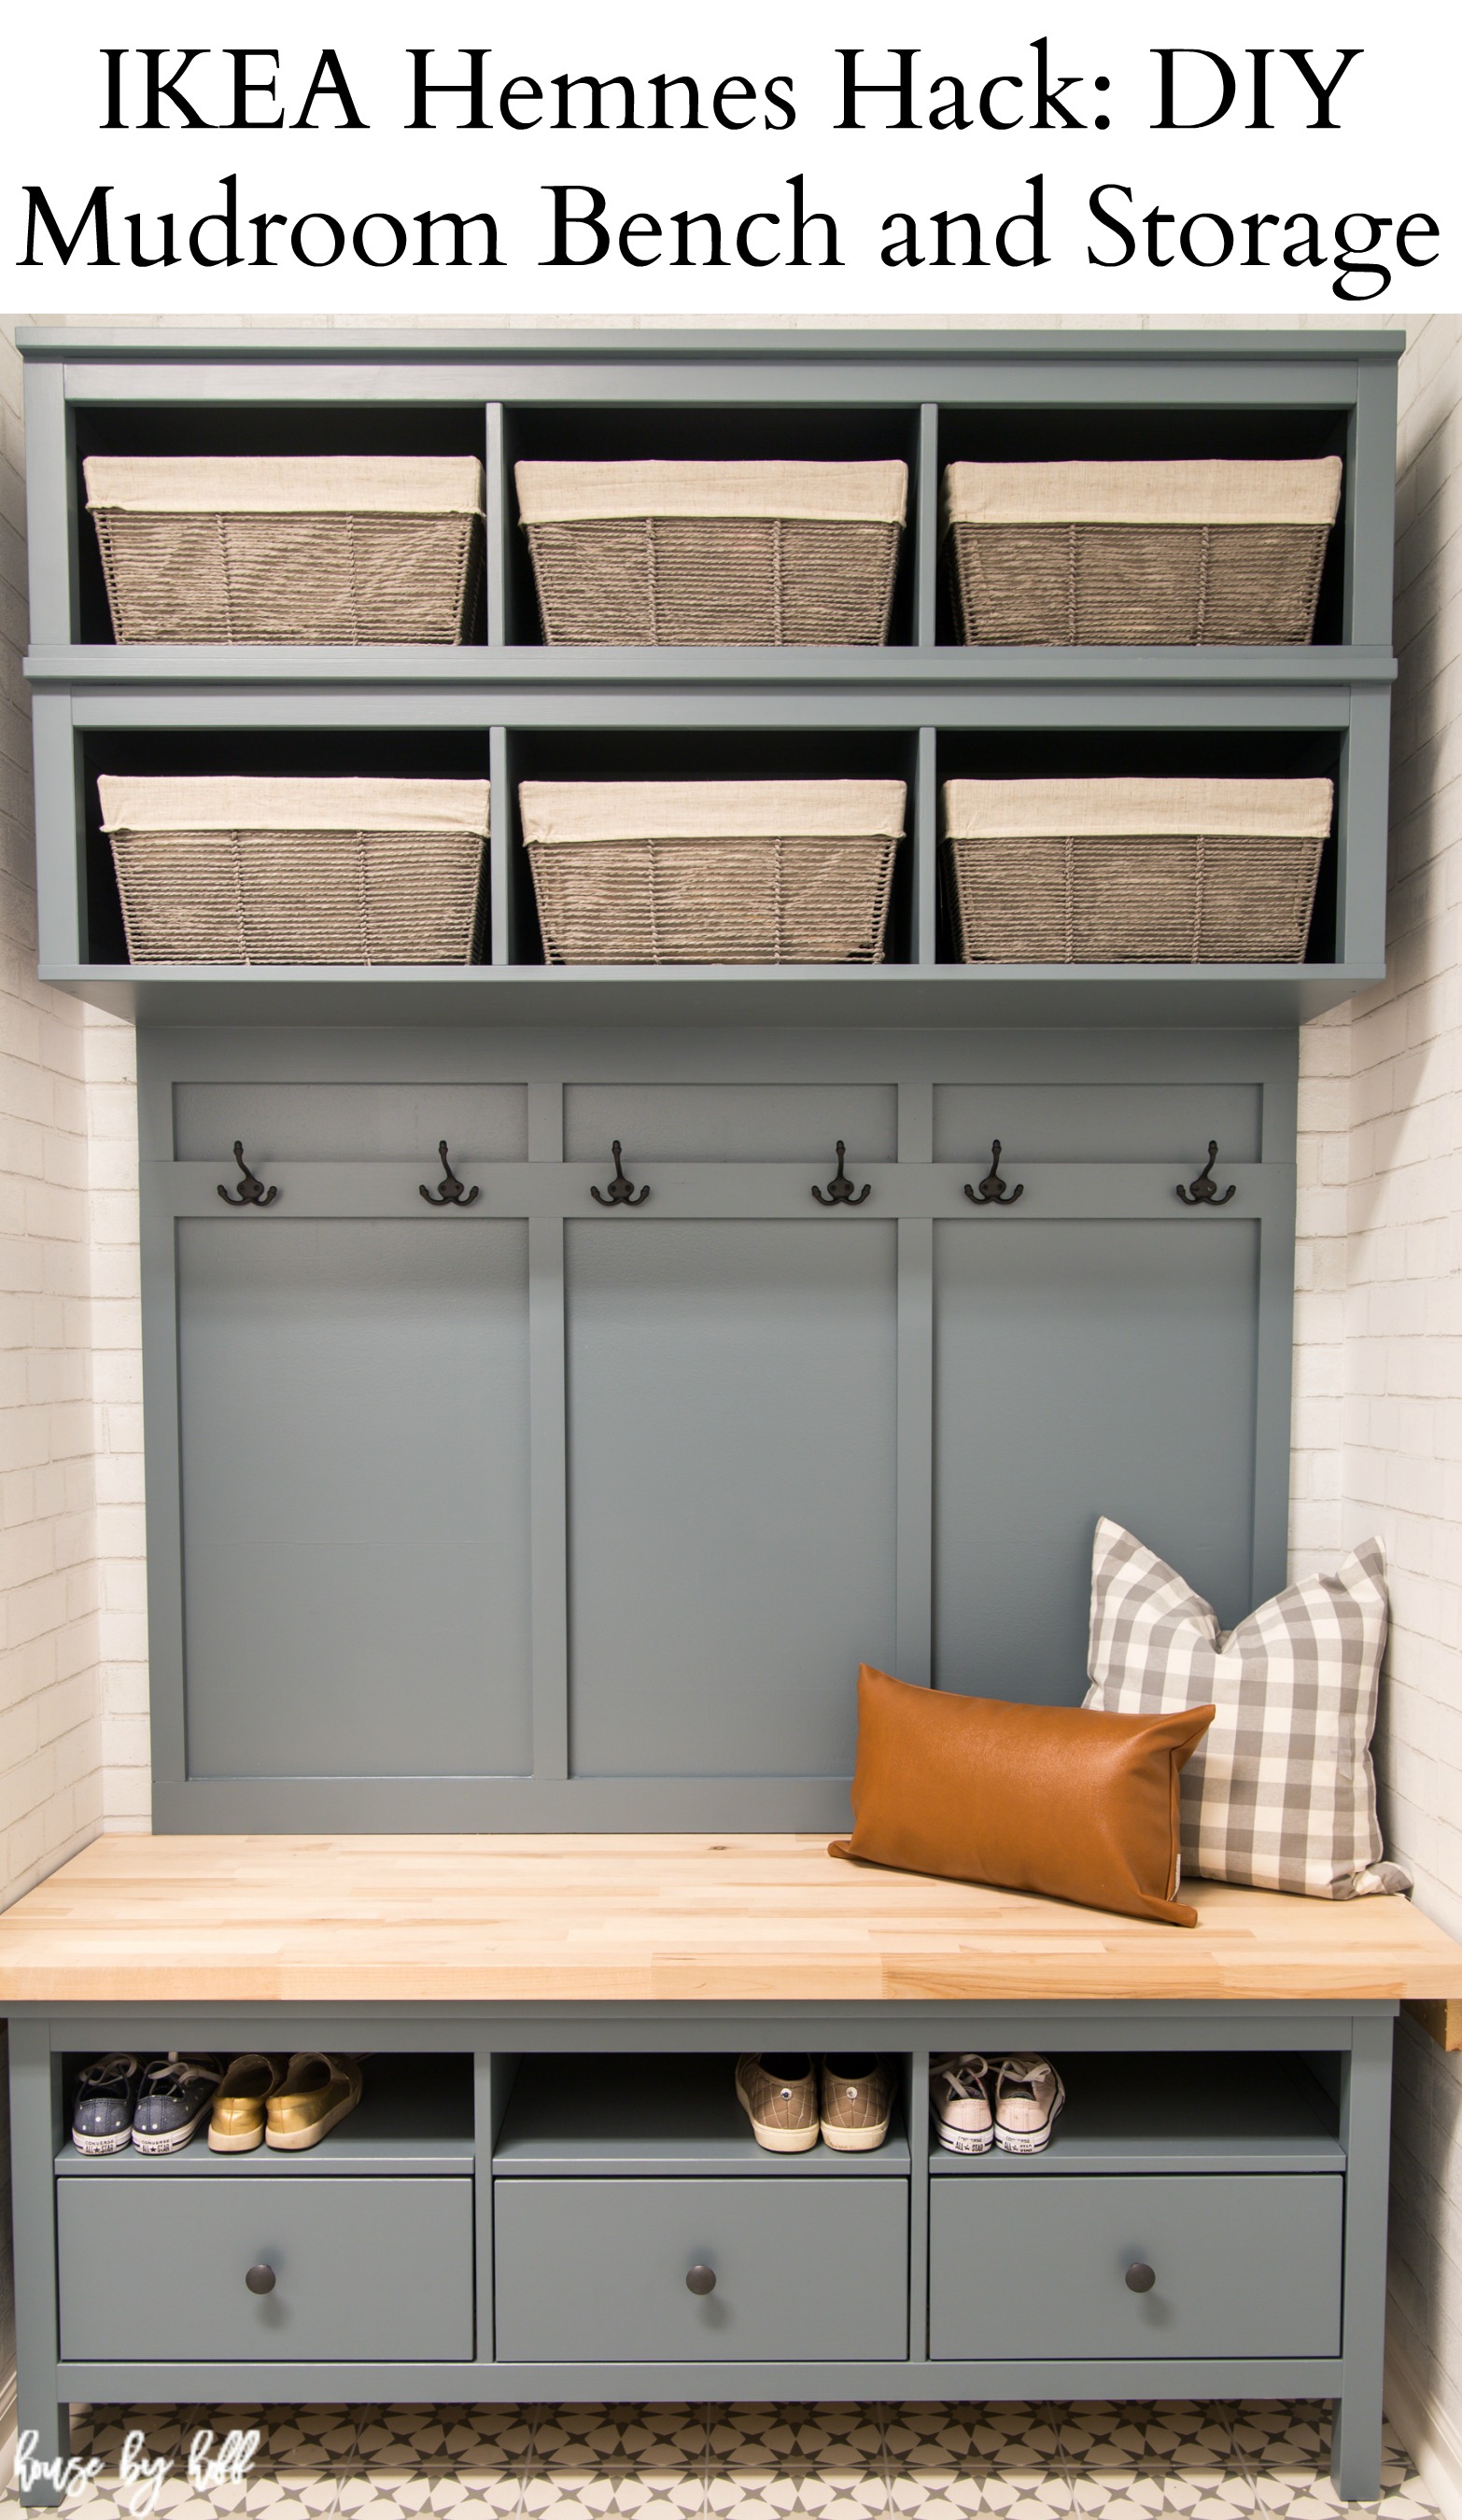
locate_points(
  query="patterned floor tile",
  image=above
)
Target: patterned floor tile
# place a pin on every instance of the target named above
(1168, 2459)
(776, 2493)
(936, 2493)
(669, 2436)
(659, 2494)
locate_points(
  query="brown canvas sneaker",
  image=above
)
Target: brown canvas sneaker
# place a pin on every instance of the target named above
(857, 2103)
(778, 2094)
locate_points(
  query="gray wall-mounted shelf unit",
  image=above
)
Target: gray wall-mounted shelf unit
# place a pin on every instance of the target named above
(921, 707)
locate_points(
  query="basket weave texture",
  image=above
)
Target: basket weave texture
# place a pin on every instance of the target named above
(658, 555)
(299, 870)
(713, 870)
(289, 551)
(1159, 555)
(1135, 870)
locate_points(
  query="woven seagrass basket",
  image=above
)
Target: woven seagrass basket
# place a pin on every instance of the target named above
(299, 870)
(713, 555)
(1135, 870)
(289, 551)
(713, 870)
(1157, 554)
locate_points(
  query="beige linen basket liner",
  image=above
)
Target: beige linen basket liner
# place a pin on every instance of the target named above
(289, 551)
(1135, 870)
(299, 870)
(655, 555)
(713, 870)
(1194, 553)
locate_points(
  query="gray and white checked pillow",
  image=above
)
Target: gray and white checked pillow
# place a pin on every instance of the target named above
(1280, 1792)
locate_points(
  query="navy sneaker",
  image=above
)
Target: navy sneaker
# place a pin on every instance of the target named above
(175, 2098)
(104, 2099)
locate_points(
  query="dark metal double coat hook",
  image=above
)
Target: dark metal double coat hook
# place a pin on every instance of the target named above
(450, 1192)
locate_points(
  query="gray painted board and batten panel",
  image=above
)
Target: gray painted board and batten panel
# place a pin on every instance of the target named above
(1070, 1358)
(353, 1428)
(732, 1499)
(544, 1515)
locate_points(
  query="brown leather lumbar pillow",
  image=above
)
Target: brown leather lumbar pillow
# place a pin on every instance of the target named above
(1060, 1799)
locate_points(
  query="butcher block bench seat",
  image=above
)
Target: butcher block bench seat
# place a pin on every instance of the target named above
(635, 1920)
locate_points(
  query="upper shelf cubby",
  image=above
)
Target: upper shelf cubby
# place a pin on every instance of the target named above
(1144, 434)
(263, 430)
(564, 433)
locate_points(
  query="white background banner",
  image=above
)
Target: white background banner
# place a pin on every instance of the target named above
(925, 159)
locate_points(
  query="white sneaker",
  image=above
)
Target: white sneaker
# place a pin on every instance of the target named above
(1030, 2096)
(959, 2100)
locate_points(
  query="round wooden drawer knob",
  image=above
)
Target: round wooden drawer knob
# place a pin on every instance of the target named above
(700, 2279)
(260, 2279)
(1140, 2278)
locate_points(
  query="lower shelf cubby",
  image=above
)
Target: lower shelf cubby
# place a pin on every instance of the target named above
(656, 2116)
(1149, 2112)
(414, 2120)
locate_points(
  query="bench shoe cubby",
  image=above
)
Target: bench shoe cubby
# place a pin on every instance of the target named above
(559, 1377)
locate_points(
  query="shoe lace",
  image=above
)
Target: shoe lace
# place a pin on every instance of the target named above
(170, 2081)
(110, 2074)
(963, 2078)
(1024, 2073)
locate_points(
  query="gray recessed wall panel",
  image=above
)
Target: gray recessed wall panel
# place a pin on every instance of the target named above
(353, 1425)
(732, 1519)
(323, 1123)
(1075, 1123)
(732, 1123)
(1085, 1366)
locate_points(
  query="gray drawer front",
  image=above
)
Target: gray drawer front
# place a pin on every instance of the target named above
(591, 2269)
(367, 2268)
(1037, 2266)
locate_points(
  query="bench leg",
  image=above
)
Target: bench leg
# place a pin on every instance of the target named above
(43, 2443)
(42, 2427)
(1355, 2447)
(1365, 2131)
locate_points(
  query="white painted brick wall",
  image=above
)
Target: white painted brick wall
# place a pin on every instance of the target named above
(70, 1428)
(1379, 1362)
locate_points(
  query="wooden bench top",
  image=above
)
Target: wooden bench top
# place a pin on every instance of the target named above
(631, 1919)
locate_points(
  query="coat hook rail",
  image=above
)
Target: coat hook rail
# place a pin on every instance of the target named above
(450, 1192)
(992, 1191)
(251, 1192)
(1202, 1191)
(840, 1192)
(620, 1192)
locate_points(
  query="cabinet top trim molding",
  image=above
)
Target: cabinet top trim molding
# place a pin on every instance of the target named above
(645, 1918)
(792, 343)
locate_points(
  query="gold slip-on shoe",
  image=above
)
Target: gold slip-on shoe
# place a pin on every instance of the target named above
(315, 2095)
(236, 2124)
(857, 2103)
(778, 2094)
